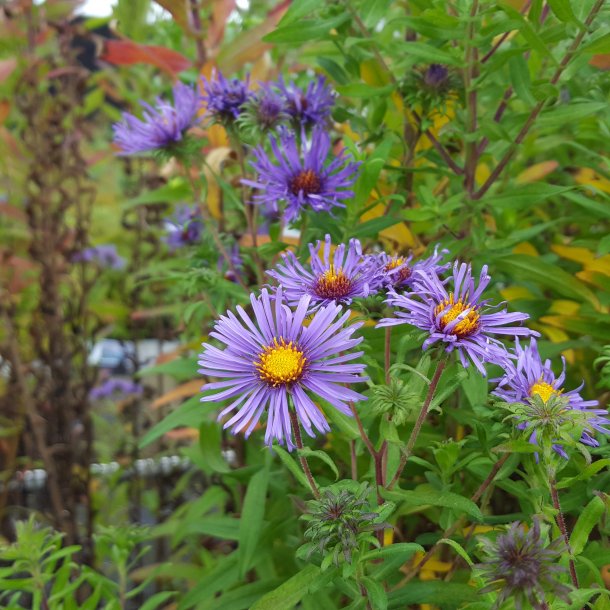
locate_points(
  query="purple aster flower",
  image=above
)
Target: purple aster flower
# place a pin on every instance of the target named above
(436, 76)
(522, 568)
(529, 377)
(105, 256)
(301, 178)
(398, 271)
(184, 227)
(224, 99)
(124, 387)
(236, 261)
(274, 362)
(333, 278)
(311, 107)
(265, 110)
(458, 318)
(162, 127)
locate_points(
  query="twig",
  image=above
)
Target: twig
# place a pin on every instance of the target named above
(470, 74)
(442, 151)
(562, 526)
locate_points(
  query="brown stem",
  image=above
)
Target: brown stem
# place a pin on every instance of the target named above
(353, 459)
(470, 74)
(531, 119)
(562, 526)
(442, 151)
(504, 36)
(420, 420)
(304, 464)
(198, 33)
(476, 496)
(365, 438)
(387, 353)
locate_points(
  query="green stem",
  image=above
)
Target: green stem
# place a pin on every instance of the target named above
(406, 454)
(304, 464)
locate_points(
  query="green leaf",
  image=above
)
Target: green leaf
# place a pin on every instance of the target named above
(225, 528)
(520, 79)
(563, 10)
(376, 593)
(516, 446)
(587, 520)
(222, 575)
(569, 113)
(156, 600)
(287, 460)
(420, 498)
(437, 592)
(290, 593)
(297, 10)
(251, 521)
(536, 270)
(190, 413)
(404, 549)
(599, 45)
(458, 548)
(585, 474)
(371, 228)
(306, 30)
(364, 90)
(321, 455)
(181, 369)
(428, 53)
(244, 596)
(210, 439)
(175, 190)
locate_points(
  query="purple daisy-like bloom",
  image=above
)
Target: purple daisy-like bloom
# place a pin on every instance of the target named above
(310, 107)
(398, 271)
(301, 178)
(184, 228)
(124, 387)
(529, 376)
(331, 278)
(224, 98)
(275, 360)
(105, 256)
(162, 126)
(459, 318)
(267, 107)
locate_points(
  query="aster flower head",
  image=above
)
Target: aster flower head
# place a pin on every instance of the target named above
(106, 256)
(339, 522)
(300, 176)
(112, 386)
(545, 406)
(436, 77)
(458, 318)
(264, 111)
(224, 99)
(184, 227)
(399, 272)
(162, 127)
(329, 277)
(311, 107)
(273, 363)
(521, 567)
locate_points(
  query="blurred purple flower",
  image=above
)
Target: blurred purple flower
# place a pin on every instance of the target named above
(529, 377)
(162, 126)
(224, 99)
(301, 178)
(272, 362)
(458, 318)
(436, 76)
(398, 272)
(236, 261)
(311, 107)
(105, 256)
(184, 228)
(124, 387)
(336, 278)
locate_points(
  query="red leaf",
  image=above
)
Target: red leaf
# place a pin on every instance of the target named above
(127, 52)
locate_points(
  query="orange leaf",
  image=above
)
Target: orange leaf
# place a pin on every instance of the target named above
(5, 109)
(6, 68)
(182, 434)
(177, 9)
(601, 61)
(188, 389)
(537, 172)
(127, 53)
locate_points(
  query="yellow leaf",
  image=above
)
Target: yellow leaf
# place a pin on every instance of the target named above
(213, 166)
(557, 335)
(525, 248)
(388, 536)
(580, 255)
(537, 172)
(564, 307)
(373, 74)
(592, 277)
(512, 293)
(188, 389)
(482, 173)
(589, 177)
(599, 265)
(398, 233)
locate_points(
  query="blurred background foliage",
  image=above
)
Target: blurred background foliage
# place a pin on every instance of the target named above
(503, 161)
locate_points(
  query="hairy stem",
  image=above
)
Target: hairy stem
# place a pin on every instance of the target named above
(420, 421)
(304, 464)
(562, 526)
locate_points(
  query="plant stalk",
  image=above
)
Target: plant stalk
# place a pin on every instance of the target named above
(304, 464)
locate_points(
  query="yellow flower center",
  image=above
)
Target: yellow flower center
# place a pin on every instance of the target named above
(403, 274)
(333, 284)
(544, 390)
(306, 181)
(467, 325)
(280, 363)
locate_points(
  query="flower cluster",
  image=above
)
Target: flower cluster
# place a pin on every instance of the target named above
(184, 227)
(106, 256)
(115, 386)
